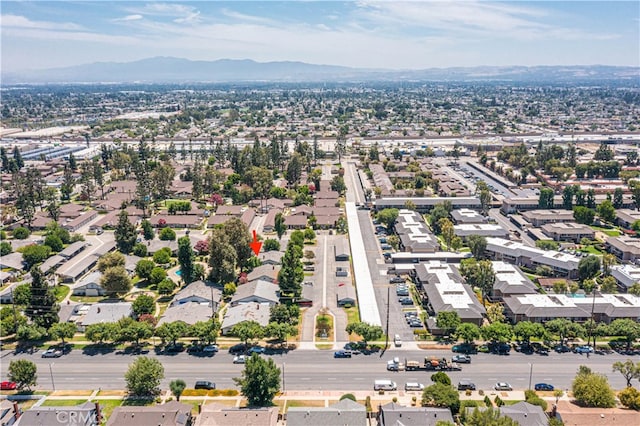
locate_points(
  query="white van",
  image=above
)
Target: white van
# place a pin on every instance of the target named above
(386, 385)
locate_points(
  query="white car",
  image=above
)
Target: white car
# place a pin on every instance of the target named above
(413, 386)
(239, 359)
(397, 340)
(210, 349)
(503, 386)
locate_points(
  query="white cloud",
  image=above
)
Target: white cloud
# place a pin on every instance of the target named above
(17, 21)
(129, 18)
(246, 18)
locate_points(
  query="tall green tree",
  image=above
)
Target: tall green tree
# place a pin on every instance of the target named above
(247, 331)
(588, 267)
(441, 395)
(448, 321)
(115, 280)
(144, 376)
(24, 373)
(125, 233)
(592, 390)
(260, 381)
(279, 225)
(479, 274)
(177, 387)
(42, 309)
(62, 331)
(629, 370)
(186, 258)
(545, 200)
(478, 246)
(388, 218)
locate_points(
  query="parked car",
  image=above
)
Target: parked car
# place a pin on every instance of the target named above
(405, 301)
(503, 386)
(562, 348)
(464, 349)
(397, 280)
(585, 349)
(52, 353)
(464, 385)
(210, 349)
(342, 354)
(413, 386)
(8, 385)
(461, 359)
(256, 350)
(543, 387)
(239, 359)
(174, 348)
(240, 348)
(205, 384)
(416, 323)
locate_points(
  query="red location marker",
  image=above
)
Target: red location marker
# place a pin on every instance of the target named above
(255, 244)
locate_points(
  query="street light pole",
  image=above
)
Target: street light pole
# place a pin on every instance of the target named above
(530, 374)
(51, 372)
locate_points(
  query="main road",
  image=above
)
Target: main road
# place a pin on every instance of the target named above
(317, 369)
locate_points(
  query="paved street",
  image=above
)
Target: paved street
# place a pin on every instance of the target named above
(318, 370)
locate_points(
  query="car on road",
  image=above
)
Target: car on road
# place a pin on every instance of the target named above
(397, 340)
(503, 386)
(543, 387)
(308, 283)
(256, 350)
(354, 347)
(52, 353)
(239, 359)
(8, 385)
(585, 349)
(461, 359)
(204, 384)
(413, 386)
(466, 384)
(342, 354)
(210, 349)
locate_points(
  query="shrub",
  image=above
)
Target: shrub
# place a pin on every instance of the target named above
(367, 404)
(394, 399)
(499, 402)
(140, 250)
(21, 233)
(630, 398)
(167, 234)
(536, 400)
(487, 401)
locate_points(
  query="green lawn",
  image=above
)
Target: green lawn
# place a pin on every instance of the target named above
(591, 250)
(61, 292)
(611, 232)
(63, 402)
(107, 406)
(353, 315)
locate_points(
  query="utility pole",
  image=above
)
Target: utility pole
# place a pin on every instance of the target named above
(386, 343)
(53, 384)
(530, 374)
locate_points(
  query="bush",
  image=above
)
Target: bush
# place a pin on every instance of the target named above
(140, 250)
(21, 233)
(499, 402)
(162, 256)
(367, 404)
(536, 400)
(5, 248)
(630, 398)
(167, 234)
(166, 286)
(487, 401)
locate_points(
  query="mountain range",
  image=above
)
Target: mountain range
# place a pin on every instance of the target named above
(177, 70)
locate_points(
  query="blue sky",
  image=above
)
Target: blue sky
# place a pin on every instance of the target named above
(367, 34)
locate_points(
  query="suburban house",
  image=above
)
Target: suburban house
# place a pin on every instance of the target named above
(346, 295)
(484, 229)
(250, 311)
(413, 233)
(171, 413)
(214, 414)
(541, 217)
(87, 414)
(71, 272)
(259, 291)
(568, 231)
(525, 414)
(626, 217)
(264, 272)
(510, 281)
(105, 312)
(272, 257)
(88, 286)
(270, 220)
(188, 312)
(296, 221)
(345, 412)
(394, 414)
(626, 275)
(468, 216)
(341, 250)
(199, 292)
(12, 261)
(625, 248)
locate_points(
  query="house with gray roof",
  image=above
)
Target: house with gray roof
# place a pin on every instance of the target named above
(525, 414)
(394, 414)
(568, 231)
(51, 263)
(341, 250)
(461, 216)
(6, 295)
(265, 273)
(346, 295)
(483, 229)
(342, 413)
(214, 414)
(413, 233)
(626, 217)
(201, 292)
(12, 261)
(625, 248)
(272, 257)
(86, 414)
(73, 249)
(446, 291)
(89, 285)
(625, 275)
(105, 312)
(189, 313)
(251, 311)
(172, 413)
(156, 245)
(259, 291)
(510, 281)
(70, 271)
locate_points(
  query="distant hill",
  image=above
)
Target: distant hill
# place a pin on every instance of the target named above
(173, 70)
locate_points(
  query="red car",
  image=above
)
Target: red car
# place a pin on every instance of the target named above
(7, 386)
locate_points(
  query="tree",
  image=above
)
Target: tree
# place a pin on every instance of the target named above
(479, 274)
(21, 233)
(177, 387)
(447, 231)
(35, 253)
(111, 260)
(547, 245)
(478, 245)
(608, 285)
(618, 200)
(592, 389)
(448, 321)
(634, 289)
(157, 275)
(627, 328)
(279, 225)
(130, 330)
(294, 169)
(172, 331)
(495, 312)
(260, 381)
(490, 416)
(284, 314)
(497, 332)
(143, 304)
(101, 332)
(441, 377)
(606, 211)
(62, 331)
(468, 332)
(365, 330)
(125, 233)
(143, 377)
(167, 234)
(388, 217)
(441, 395)
(144, 268)
(628, 369)
(280, 331)
(222, 258)
(166, 286)
(186, 258)
(147, 230)
(545, 200)
(608, 260)
(238, 236)
(583, 215)
(271, 244)
(206, 331)
(30, 332)
(42, 309)
(247, 330)
(115, 280)
(54, 242)
(485, 201)
(24, 373)
(162, 256)
(630, 398)
(525, 330)
(588, 267)
(5, 248)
